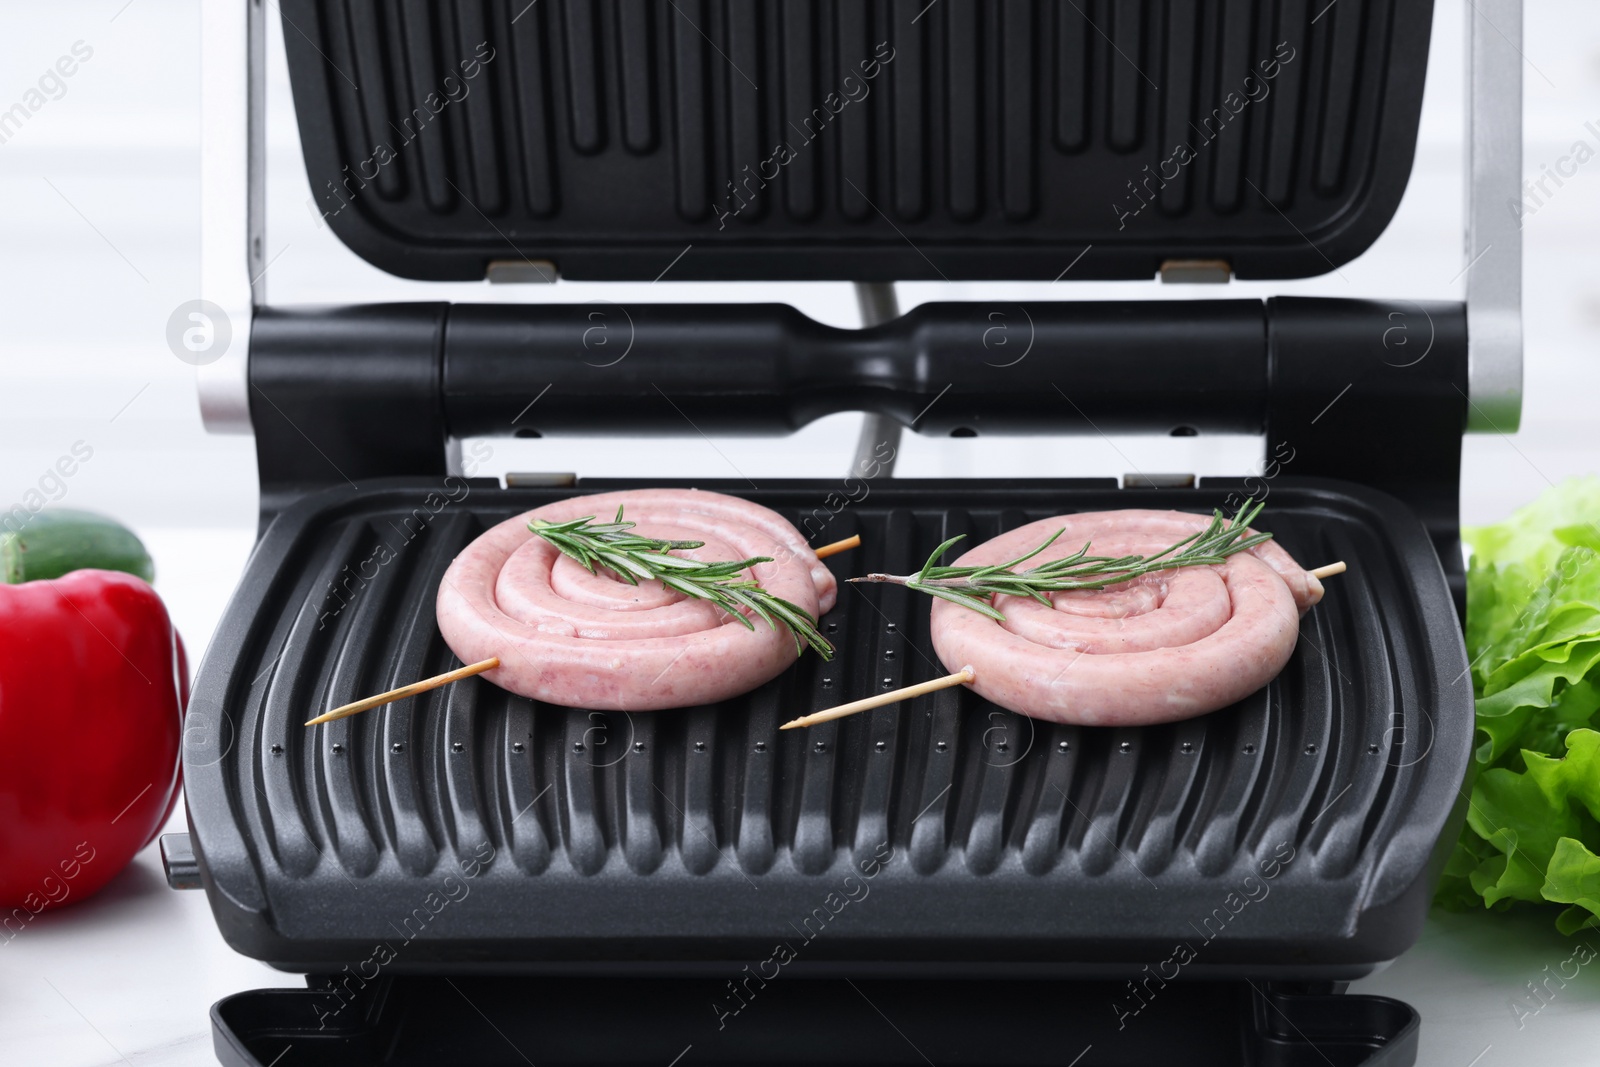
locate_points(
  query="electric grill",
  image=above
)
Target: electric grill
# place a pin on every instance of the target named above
(467, 877)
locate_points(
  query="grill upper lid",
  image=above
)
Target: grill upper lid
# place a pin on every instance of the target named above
(856, 140)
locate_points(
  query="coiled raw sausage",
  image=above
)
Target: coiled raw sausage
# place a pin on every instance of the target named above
(1165, 646)
(569, 637)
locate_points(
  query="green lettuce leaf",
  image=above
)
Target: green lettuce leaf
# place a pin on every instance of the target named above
(1533, 635)
(1574, 878)
(1519, 820)
(1546, 697)
(1534, 536)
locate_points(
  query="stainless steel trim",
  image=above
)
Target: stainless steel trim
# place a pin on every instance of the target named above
(1494, 227)
(1196, 272)
(540, 479)
(878, 305)
(522, 272)
(1141, 480)
(877, 302)
(232, 172)
(256, 152)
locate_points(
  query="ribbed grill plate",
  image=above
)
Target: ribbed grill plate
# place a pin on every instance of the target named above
(857, 139)
(471, 826)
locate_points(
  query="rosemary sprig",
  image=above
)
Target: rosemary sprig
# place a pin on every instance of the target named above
(975, 587)
(632, 557)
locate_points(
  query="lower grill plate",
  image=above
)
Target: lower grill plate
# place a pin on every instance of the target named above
(467, 828)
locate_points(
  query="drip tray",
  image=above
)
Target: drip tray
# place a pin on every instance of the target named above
(654, 1022)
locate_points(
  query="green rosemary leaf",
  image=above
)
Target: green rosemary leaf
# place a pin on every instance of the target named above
(1020, 560)
(983, 607)
(941, 550)
(634, 558)
(977, 587)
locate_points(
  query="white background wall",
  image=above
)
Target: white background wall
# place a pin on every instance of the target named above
(99, 239)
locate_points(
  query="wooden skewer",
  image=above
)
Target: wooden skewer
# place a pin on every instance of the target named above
(839, 546)
(962, 677)
(1330, 570)
(491, 663)
(407, 690)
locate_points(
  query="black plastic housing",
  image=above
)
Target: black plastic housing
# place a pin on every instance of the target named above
(511, 1022)
(688, 841)
(958, 140)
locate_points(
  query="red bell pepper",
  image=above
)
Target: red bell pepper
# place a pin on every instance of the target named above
(93, 682)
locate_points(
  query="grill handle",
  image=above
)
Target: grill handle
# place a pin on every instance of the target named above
(755, 369)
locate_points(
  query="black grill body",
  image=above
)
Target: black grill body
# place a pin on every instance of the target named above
(468, 877)
(1293, 833)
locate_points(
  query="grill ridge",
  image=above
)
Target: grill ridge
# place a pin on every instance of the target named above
(345, 806)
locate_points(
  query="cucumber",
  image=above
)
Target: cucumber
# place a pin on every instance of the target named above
(65, 539)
